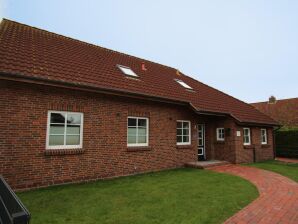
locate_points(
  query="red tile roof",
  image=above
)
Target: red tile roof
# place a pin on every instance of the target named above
(32, 52)
(284, 111)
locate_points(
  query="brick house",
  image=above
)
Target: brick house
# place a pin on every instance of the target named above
(72, 111)
(284, 111)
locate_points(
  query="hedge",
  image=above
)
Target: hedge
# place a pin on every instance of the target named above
(287, 143)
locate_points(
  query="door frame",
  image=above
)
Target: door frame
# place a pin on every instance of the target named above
(204, 140)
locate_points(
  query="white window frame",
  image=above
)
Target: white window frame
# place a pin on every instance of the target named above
(122, 68)
(249, 136)
(218, 133)
(265, 135)
(64, 146)
(183, 84)
(189, 127)
(147, 132)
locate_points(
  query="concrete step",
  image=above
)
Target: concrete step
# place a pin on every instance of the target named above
(206, 164)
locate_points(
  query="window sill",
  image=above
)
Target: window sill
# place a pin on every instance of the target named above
(248, 146)
(184, 146)
(138, 148)
(265, 146)
(55, 152)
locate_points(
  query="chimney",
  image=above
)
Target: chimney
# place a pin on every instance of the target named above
(272, 100)
(144, 66)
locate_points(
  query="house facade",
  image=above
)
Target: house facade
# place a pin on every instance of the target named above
(73, 112)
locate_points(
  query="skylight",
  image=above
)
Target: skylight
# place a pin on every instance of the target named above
(183, 84)
(127, 71)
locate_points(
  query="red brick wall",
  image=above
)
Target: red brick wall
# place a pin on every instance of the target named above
(232, 149)
(245, 154)
(217, 149)
(23, 127)
(25, 162)
(225, 150)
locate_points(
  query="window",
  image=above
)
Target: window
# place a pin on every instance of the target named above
(137, 131)
(220, 134)
(183, 132)
(65, 130)
(183, 84)
(127, 71)
(246, 136)
(263, 136)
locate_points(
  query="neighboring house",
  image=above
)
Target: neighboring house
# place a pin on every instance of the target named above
(72, 111)
(284, 111)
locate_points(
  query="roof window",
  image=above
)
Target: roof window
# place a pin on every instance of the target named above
(127, 70)
(183, 84)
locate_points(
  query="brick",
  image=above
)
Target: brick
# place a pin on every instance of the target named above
(26, 164)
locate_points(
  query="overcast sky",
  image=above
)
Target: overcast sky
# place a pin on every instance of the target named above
(246, 48)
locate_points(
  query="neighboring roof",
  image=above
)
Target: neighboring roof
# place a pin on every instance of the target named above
(284, 111)
(32, 52)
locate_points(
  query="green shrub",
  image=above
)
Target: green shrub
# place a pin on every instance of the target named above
(287, 143)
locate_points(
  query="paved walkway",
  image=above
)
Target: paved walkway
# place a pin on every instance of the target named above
(278, 200)
(286, 160)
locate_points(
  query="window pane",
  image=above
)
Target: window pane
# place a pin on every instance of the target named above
(132, 132)
(57, 129)
(73, 119)
(132, 139)
(142, 139)
(56, 140)
(185, 125)
(179, 124)
(186, 131)
(58, 118)
(200, 142)
(142, 131)
(142, 122)
(179, 131)
(132, 122)
(246, 131)
(185, 138)
(200, 134)
(73, 130)
(246, 139)
(72, 140)
(222, 134)
(179, 138)
(183, 84)
(127, 71)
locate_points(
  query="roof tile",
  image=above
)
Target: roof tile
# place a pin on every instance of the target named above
(284, 111)
(34, 52)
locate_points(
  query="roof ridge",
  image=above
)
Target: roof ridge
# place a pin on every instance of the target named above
(83, 42)
(292, 98)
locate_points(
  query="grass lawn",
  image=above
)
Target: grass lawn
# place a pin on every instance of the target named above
(175, 196)
(286, 169)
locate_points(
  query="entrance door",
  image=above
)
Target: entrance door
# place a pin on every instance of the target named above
(201, 142)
